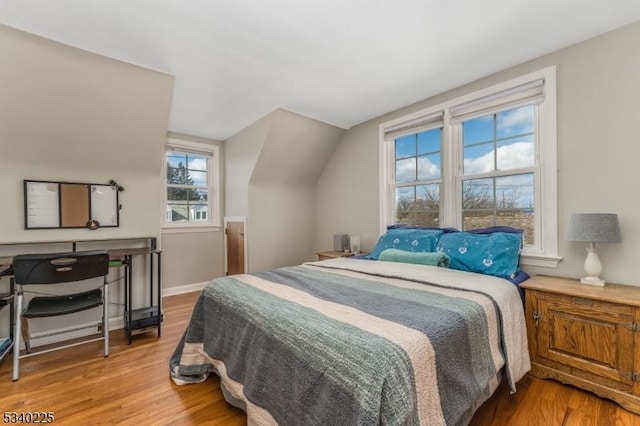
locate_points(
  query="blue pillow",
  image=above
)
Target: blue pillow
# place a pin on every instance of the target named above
(407, 239)
(495, 253)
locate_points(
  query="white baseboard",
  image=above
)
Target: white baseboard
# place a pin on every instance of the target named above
(189, 288)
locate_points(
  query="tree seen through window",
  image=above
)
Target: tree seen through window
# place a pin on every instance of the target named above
(186, 182)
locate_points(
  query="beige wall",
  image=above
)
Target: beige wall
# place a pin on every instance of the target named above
(280, 226)
(347, 192)
(70, 115)
(598, 122)
(271, 172)
(194, 256)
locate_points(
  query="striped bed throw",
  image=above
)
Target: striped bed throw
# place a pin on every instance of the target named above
(356, 342)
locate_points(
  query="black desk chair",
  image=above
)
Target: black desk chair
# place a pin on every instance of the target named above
(57, 268)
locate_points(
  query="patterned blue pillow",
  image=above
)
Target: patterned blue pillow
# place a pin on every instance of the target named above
(490, 254)
(407, 239)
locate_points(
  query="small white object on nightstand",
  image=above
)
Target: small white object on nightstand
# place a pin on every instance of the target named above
(354, 243)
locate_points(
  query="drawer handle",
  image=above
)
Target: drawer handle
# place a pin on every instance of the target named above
(582, 301)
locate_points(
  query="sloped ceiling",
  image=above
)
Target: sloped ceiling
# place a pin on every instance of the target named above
(340, 62)
(295, 151)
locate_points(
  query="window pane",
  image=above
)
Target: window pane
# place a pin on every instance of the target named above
(406, 170)
(196, 162)
(517, 121)
(477, 194)
(515, 192)
(202, 194)
(515, 153)
(179, 174)
(404, 212)
(427, 205)
(479, 159)
(198, 212)
(429, 141)
(429, 167)
(177, 194)
(198, 178)
(477, 219)
(173, 159)
(177, 212)
(418, 205)
(506, 200)
(477, 130)
(428, 197)
(172, 174)
(406, 146)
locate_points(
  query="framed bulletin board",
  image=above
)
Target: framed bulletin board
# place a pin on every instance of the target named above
(49, 204)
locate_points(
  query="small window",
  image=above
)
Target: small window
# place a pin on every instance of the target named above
(190, 193)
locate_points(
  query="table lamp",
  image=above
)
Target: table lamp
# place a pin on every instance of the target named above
(593, 228)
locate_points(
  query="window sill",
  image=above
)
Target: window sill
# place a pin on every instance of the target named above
(542, 260)
(185, 229)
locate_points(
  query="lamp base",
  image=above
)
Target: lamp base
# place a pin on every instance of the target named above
(593, 281)
(592, 267)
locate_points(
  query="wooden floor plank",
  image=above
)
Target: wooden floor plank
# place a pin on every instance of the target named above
(132, 387)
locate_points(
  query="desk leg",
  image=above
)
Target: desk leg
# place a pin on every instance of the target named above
(12, 313)
(129, 291)
(125, 272)
(150, 279)
(17, 333)
(160, 315)
(105, 315)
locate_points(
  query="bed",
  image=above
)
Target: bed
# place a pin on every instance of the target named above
(356, 342)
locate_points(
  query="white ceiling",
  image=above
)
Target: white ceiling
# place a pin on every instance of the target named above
(338, 61)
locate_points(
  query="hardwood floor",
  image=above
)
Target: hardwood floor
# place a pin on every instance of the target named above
(132, 387)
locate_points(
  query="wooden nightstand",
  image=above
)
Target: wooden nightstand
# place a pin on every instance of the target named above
(586, 336)
(323, 255)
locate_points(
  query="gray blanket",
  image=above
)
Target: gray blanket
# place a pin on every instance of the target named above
(346, 342)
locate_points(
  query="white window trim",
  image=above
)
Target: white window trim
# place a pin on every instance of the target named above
(213, 174)
(546, 255)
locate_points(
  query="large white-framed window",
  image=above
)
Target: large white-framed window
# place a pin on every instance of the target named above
(484, 159)
(191, 193)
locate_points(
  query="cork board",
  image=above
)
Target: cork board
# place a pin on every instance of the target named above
(74, 202)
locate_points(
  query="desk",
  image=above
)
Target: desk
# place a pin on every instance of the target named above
(134, 318)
